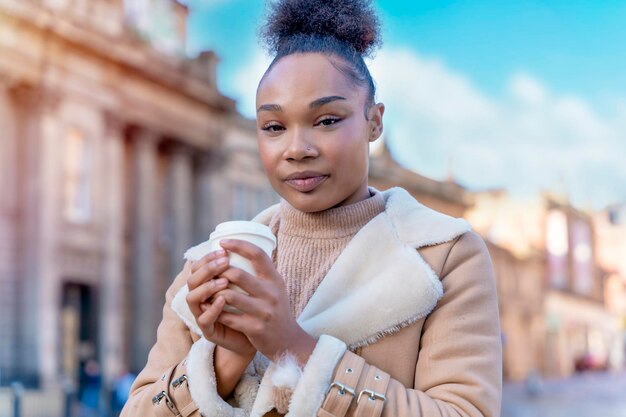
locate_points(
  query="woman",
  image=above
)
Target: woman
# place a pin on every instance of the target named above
(372, 304)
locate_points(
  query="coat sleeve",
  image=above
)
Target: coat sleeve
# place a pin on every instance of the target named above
(179, 379)
(458, 371)
(166, 363)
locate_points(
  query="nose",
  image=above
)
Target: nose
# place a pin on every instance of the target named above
(299, 146)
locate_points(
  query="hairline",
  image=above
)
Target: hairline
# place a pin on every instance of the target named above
(333, 58)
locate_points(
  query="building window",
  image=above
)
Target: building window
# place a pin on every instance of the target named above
(77, 181)
(557, 242)
(582, 257)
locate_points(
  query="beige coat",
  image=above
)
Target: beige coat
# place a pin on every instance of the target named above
(413, 295)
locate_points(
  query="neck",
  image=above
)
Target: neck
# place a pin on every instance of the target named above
(362, 194)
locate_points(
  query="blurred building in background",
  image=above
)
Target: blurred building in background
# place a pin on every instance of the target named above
(445, 196)
(557, 313)
(117, 154)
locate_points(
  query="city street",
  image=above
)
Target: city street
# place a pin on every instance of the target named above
(586, 395)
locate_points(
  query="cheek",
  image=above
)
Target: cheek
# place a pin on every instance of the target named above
(266, 152)
(268, 159)
(352, 148)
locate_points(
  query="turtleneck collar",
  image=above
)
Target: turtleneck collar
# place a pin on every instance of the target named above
(333, 223)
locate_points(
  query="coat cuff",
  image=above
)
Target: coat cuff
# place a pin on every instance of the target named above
(180, 307)
(312, 387)
(203, 384)
(285, 378)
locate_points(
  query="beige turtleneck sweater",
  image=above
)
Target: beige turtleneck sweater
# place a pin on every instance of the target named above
(307, 246)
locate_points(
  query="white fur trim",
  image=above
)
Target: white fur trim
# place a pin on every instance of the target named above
(203, 385)
(180, 307)
(312, 386)
(265, 395)
(417, 225)
(287, 372)
(197, 252)
(316, 378)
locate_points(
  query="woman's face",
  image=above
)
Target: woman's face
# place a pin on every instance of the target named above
(313, 133)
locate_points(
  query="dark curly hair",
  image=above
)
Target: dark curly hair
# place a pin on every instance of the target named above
(348, 29)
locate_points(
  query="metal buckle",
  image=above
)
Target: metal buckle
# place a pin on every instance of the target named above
(373, 395)
(343, 388)
(156, 400)
(179, 381)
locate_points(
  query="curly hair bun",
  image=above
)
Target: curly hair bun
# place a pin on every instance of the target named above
(353, 22)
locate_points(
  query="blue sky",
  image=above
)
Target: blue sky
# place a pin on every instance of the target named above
(524, 95)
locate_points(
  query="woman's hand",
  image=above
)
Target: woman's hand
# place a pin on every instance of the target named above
(266, 318)
(205, 282)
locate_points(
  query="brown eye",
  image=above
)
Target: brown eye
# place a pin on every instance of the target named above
(272, 127)
(328, 121)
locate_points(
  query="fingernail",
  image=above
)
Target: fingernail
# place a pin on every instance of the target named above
(222, 261)
(221, 281)
(221, 252)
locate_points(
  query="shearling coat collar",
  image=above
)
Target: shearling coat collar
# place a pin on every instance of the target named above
(380, 283)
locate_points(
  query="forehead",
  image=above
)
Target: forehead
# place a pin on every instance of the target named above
(302, 78)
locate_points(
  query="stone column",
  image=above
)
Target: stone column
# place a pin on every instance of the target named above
(146, 303)
(181, 191)
(50, 192)
(112, 288)
(26, 230)
(38, 198)
(8, 236)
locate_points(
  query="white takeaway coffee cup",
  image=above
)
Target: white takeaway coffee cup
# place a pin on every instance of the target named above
(253, 232)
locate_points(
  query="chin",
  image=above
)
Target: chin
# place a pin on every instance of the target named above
(308, 203)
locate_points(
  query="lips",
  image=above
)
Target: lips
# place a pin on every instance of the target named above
(305, 181)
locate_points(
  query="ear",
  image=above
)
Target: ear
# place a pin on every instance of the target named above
(375, 121)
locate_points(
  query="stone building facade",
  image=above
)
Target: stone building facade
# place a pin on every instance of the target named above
(552, 286)
(115, 158)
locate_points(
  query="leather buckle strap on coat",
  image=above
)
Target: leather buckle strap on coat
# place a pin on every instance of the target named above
(173, 396)
(371, 399)
(179, 389)
(342, 392)
(161, 401)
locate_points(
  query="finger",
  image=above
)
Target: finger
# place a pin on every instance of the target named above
(260, 261)
(239, 322)
(211, 256)
(202, 293)
(208, 318)
(247, 282)
(245, 303)
(207, 272)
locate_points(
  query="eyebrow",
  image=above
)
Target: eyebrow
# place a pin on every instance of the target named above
(269, 107)
(313, 105)
(324, 100)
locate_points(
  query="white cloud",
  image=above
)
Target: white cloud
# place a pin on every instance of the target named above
(528, 90)
(527, 140)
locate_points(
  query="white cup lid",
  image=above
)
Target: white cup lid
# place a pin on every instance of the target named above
(242, 226)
